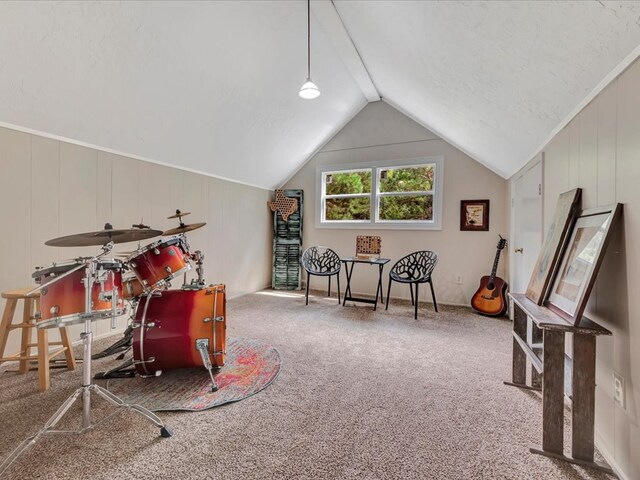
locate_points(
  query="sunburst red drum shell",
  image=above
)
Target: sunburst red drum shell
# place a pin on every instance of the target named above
(179, 320)
(65, 298)
(131, 288)
(160, 261)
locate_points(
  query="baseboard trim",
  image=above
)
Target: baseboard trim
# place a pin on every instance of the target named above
(609, 457)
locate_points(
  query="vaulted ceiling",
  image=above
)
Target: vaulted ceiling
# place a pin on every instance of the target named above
(212, 87)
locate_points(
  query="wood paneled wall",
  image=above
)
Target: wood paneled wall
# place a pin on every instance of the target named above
(50, 188)
(599, 151)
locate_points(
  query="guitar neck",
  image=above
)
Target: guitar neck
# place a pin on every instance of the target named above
(495, 266)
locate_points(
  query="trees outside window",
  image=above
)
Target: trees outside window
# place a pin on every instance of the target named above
(381, 194)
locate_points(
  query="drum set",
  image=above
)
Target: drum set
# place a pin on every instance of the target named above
(168, 328)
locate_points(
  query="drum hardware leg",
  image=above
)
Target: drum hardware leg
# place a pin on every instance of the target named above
(121, 345)
(84, 392)
(118, 372)
(202, 344)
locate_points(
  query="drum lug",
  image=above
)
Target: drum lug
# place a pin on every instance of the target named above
(156, 251)
(216, 319)
(168, 269)
(54, 310)
(147, 325)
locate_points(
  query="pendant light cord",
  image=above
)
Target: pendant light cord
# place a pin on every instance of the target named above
(308, 38)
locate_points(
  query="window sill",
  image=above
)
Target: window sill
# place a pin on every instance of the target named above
(379, 226)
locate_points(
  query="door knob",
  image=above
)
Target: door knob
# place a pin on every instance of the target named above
(519, 250)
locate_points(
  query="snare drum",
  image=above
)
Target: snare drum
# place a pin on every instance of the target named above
(165, 337)
(62, 300)
(160, 261)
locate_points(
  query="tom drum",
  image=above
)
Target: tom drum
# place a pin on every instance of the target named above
(62, 299)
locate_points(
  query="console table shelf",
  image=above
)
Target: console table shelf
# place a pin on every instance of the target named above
(539, 336)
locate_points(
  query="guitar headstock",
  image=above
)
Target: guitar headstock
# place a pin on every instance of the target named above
(501, 243)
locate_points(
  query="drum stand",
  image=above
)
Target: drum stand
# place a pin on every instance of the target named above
(84, 392)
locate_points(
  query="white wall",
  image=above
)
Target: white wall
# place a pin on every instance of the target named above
(379, 132)
(599, 151)
(50, 188)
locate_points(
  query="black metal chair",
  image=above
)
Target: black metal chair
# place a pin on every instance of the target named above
(415, 268)
(323, 262)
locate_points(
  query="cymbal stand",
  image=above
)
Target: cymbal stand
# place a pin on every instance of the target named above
(87, 387)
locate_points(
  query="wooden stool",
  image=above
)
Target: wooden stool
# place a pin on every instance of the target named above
(43, 356)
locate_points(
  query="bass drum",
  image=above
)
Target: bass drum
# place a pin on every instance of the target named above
(167, 326)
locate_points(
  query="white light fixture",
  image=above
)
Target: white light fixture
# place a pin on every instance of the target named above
(309, 90)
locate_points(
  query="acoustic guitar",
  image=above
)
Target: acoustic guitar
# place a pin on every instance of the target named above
(491, 297)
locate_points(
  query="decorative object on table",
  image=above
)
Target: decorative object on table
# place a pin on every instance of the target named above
(287, 245)
(368, 246)
(491, 297)
(474, 215)
(250, 367)
(322, 262)
(284, 205)
(414, 269)
(581, 261)
(567, 209)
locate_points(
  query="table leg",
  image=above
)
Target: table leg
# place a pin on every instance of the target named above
(553, 392)
(379, 288)
(519, 367)
(347, 292)
(583, 396)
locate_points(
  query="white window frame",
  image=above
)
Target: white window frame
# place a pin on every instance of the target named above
(375, 195)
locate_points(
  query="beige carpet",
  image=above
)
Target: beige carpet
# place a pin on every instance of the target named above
(361, 394)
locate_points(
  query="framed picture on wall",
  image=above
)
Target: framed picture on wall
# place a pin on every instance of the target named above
(581, 260)
(474, 215)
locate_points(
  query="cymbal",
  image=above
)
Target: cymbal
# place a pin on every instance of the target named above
(179, 214)
(184, 228)
(102, 237)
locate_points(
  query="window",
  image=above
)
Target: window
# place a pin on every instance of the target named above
(381, 195)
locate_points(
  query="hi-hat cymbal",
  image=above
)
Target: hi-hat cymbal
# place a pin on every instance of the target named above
(179, 214)
(184, 228)
(102, 237)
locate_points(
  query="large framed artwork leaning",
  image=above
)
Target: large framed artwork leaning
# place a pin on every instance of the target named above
(567, 209)
(581, 260)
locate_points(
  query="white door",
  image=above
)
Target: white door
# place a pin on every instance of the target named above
(526, 226)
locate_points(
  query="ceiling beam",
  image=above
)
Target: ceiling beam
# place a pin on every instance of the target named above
(326, 13)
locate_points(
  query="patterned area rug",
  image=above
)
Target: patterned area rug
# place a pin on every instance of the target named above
(250, 366)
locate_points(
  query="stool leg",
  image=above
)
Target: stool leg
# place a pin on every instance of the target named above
(7, 318)
(26, 334)
(43, 359)
(68, 353)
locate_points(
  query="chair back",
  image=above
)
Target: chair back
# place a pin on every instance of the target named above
(320, 261)
(415, 267)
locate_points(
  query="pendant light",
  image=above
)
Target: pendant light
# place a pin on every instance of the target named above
(309, 90)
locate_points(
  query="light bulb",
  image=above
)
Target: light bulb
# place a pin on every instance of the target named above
(309, 90)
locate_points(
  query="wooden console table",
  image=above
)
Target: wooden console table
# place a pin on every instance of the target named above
(538, 334)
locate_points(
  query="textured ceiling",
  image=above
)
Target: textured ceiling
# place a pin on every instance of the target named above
(493, 78)
(212, 86)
